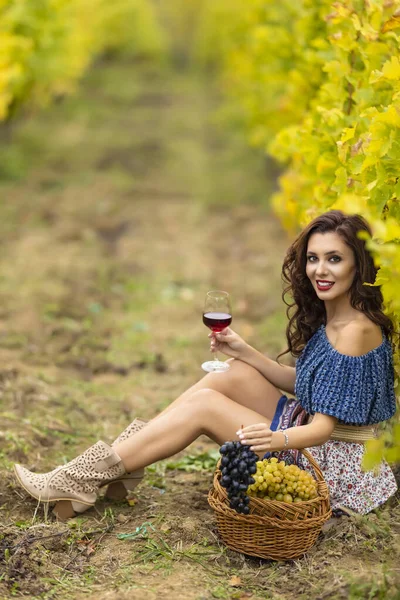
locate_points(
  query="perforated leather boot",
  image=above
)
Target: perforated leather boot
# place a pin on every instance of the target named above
(119, 488)
(74, 486)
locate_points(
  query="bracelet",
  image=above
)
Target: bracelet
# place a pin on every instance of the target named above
(286, 439)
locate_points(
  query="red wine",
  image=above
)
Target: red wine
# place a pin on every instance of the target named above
(217, 321)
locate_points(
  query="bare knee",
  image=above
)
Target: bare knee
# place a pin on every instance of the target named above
(239, 373)
(246, 386)
(205, 402)
(201, 407)
(234, 381)
(238, 367)
(203, 398)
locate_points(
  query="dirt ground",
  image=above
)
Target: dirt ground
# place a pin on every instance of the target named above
(119, 209)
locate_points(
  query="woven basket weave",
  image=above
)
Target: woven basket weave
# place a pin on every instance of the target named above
(274, 530)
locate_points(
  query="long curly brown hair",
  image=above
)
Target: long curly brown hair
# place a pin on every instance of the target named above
(305, 311)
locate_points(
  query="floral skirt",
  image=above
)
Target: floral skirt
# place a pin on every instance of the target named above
(351, 489)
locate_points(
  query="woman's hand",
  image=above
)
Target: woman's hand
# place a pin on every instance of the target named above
(258, 437)
(228, 342)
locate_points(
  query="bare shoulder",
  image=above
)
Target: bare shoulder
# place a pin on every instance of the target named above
(358, 337)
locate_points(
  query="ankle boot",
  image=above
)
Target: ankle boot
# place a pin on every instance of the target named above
(118, 489)
(74, 486)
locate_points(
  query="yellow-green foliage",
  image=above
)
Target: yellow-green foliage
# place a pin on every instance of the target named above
(180, 18)
(46, 45)
(268, 67)
(317, 84)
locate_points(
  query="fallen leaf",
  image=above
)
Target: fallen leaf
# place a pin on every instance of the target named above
(235, 581)
(132, 501)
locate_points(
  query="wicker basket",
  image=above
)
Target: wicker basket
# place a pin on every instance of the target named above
(274, 530)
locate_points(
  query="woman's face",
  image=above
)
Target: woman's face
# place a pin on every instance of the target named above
(329, 259)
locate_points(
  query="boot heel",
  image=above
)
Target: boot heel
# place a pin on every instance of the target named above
(118, 490)
(67, 509)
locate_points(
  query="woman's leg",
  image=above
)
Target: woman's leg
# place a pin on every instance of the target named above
(74, 486)
(209, 412)
(242, 383)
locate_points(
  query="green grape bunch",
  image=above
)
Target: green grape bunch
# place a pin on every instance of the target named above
(276, 480)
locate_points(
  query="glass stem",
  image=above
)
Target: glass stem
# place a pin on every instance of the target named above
(216, 356)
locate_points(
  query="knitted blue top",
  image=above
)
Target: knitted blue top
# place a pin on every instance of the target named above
(357, 390)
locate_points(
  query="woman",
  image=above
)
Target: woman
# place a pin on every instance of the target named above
(343, 381)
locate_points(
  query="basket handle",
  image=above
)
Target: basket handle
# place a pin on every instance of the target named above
(313, 463)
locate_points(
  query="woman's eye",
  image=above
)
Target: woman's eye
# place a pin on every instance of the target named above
(337, 258)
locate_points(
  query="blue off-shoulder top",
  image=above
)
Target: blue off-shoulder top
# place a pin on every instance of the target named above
(357, 390)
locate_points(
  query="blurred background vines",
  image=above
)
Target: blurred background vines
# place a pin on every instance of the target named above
(47, 45)
(313, 84)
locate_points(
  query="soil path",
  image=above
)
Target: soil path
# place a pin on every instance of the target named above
(132, 201)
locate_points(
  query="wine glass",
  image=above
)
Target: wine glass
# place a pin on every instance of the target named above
(217, 315)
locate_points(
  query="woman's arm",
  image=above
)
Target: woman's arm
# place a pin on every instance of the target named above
(304, 436)
(261, 439)
(281, 376)
(230, 343)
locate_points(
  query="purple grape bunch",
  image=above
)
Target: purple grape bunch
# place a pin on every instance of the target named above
(238, 464)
